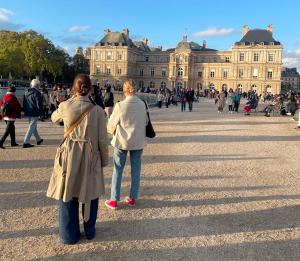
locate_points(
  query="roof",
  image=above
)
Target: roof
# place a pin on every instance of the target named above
(116, 38)
(258, 36)
(142, 46)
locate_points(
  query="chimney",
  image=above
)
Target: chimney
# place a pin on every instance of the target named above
(126, 32)
(145, 41)
(204, 44)
(245, 29)
(270, 28)
(106, 31)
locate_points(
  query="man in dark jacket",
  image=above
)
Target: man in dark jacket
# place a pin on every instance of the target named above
(33, 108)
(108, 101)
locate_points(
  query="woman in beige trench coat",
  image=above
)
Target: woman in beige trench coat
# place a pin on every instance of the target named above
(80, 160)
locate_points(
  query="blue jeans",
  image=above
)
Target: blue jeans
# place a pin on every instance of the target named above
(32, 129)
(119, 161)
(69, 230)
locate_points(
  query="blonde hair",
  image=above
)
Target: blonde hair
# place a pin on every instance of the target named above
(129, 87)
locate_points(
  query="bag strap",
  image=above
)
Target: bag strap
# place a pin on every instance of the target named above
(147, 109)
(76, 123)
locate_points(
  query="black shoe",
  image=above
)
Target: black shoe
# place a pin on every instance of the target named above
(2, 147)
(27, 145)
(40, 142)
(15, 145)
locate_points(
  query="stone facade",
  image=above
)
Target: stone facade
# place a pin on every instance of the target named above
(253, 63)
(290, 79)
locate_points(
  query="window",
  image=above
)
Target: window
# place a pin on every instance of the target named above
(147, 58)
(227, 59)
(119, 56)
(97, 54)
(108, 70)
(109, 56)
(180, 71)
(199, 74)
(225, 73)
(163, 85)
(242, 57)
(163, 72)
(152, 84)
(212, 73)
(255, 73)
(141, 72)
(199, 85)
(256, 57)
(270, 74)
(215, 59)
(241, 73)
(240, 88)
(152, 71)
(119, 70)
(141, 84)
(271, 57)
(97, 69)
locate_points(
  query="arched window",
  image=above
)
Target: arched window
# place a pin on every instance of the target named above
(141, 84)
(211, 86)
(152, 84)
(224, 87)
(240, 88)
(199, 85)
(163, 85)
(180, 71)
(179, 84)
(269, 89)
(253, 87)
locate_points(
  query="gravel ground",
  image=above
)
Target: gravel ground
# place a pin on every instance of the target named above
(214, 187)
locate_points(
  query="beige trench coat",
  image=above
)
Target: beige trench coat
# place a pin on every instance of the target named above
(84, 153)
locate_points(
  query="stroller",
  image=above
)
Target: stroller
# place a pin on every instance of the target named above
(250, 105)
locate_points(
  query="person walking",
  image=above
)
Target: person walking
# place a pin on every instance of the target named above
(160, 98)
(46, 102)
(13, 111)
(33, 108)
(229, 100)
(236, 101)
(108, 101)
(84, 153)
(190, 98)
(183, 99)
(221, 101)
(128, 126)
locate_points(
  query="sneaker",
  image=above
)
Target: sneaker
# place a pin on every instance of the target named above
(27, 145)
(130, 202)
(40, 142)
(112, 204)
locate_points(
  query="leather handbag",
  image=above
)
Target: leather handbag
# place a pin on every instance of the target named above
(150, 133)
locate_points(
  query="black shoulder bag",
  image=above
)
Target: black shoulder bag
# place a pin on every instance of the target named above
(150, 133)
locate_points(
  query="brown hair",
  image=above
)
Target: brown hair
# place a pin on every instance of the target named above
(82, 84)
(129, 87)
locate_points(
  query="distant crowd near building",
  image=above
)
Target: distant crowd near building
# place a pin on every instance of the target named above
(253, 64)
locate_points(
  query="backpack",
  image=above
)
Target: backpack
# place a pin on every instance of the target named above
(6, 109)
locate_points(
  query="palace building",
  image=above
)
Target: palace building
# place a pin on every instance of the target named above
(253, 63)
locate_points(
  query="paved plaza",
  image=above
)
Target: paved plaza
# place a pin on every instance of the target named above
(214, 187)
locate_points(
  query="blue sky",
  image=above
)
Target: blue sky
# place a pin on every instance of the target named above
(70, 23)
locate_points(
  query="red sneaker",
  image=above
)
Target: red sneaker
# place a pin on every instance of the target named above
(130, 202)
(112, 204)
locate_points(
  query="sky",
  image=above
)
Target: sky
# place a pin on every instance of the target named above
(72, 23)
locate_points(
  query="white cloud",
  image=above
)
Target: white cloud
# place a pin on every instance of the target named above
(5, 23)
(5, 14)
(214, 32)
(291, 58)
(78, 29)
